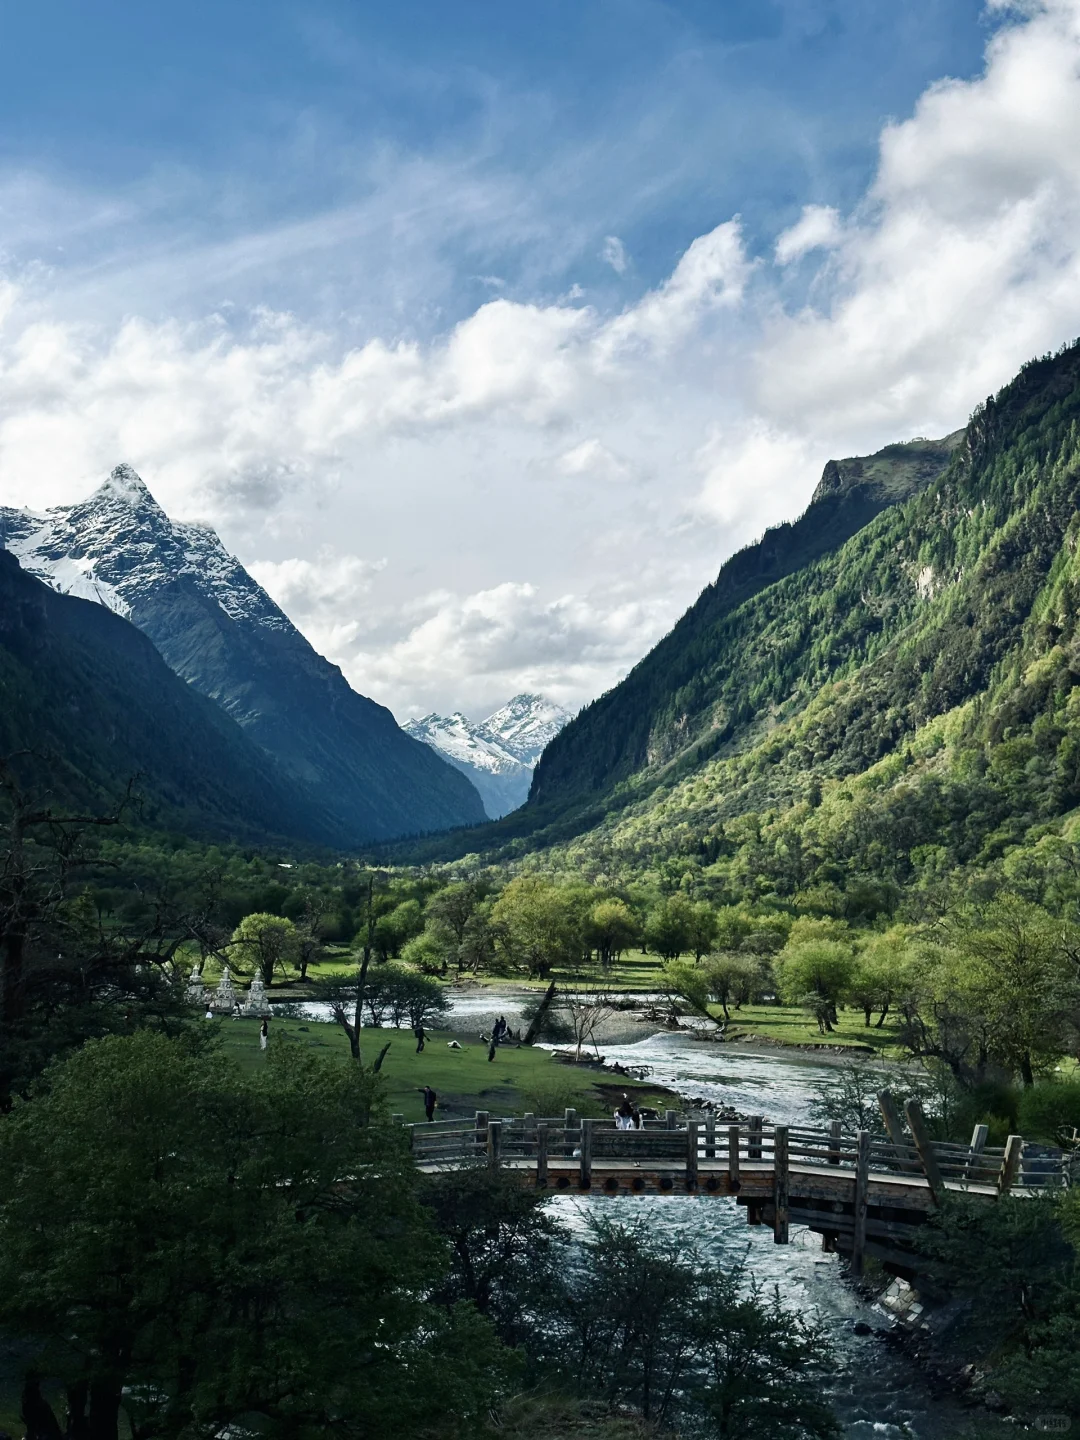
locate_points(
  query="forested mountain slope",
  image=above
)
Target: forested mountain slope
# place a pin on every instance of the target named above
(666, 703)
(903, 708)
(88, 704)
(223, 634)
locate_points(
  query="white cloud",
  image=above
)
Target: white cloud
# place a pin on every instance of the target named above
(550, 484)
(817, 228)
(614, 254)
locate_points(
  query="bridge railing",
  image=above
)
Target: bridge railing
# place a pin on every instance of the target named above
(690, 1141)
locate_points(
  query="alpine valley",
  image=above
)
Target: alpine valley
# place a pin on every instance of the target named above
(339, 754)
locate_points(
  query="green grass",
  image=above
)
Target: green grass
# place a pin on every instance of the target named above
(793, 1026)
(516, 1081)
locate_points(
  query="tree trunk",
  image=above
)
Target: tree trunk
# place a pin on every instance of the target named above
(77, 1396)
(37, 1413)
(104, 1416)
(377, 1066)
(1026, 1072)
(537, 1021)
(881, 1017)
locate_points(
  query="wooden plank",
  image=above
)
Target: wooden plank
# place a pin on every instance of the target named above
(494, 1142)
(781, 1198)
(710, 1136)
(482, 1118)
(924, 1145)
(570, 1125)
(671, 1119)
(541, 1155)
(1010, 1165)
(862, 1193)
(691, 1152)
(733, 1156)
(834, 1142)
(586, 1147)
(895, 1127)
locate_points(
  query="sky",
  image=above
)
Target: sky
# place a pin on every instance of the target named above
(484, 333)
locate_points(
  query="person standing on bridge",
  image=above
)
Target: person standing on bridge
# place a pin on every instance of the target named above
(430, 1101)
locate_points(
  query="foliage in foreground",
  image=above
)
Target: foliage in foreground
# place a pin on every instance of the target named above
(211, 1249)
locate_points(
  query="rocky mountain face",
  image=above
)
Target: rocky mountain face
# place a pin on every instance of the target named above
(90, 705)
(220, 631)
(497, 754)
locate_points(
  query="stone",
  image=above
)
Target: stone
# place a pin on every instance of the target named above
(225, 995)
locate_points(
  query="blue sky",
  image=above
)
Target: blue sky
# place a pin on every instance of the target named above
(483, 333)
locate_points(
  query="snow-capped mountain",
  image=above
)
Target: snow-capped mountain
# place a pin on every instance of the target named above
(497, 754)
(525, 724)
(221, 631)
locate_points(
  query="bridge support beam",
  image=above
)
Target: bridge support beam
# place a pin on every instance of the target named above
(691, 1154)
(862, 1192)
(733, 1157)
(1010, 1164)
(586, 1147)
(541, 1157)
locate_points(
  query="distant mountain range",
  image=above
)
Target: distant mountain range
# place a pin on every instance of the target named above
(220, 631)
(500, 753)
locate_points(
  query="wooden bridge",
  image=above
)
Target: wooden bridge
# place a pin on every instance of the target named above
(865, 1194)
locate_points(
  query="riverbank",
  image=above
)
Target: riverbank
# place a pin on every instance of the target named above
(455, 1064)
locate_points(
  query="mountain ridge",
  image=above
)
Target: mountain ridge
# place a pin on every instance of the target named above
(220, 631)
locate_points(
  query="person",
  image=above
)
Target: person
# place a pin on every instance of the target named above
(638, 1119)
(209, 1012)
(430, 1101)
(498, 1030)
(624, 1116)
(492, 1048)
(264, 1034)
(421, 1036)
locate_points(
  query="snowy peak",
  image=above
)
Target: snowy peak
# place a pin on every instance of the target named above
(119, 547)
(126, 487)
(499, 753)
(525, 725)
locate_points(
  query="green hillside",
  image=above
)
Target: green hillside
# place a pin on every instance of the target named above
(902, 708)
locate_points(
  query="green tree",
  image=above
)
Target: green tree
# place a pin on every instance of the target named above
(612, 928)
(670, 927)
(540, 923)
(815, 972)
(266, 943)
(208, 1250)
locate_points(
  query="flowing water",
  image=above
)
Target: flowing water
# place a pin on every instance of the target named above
(878, 1392)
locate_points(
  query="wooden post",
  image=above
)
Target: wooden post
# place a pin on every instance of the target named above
(924, 1145)
(570, 1124)
(753, 1147)
(733, 1156)
(895, 1126)
(481, 1130)
(671, 1118)
(835, 1131)
(979, 1138)
(494, 1142)
(691, 1153)
(781, 1185)
(862, 1191)
(541, 1156)
(710, 1136)
(1010, 1164)
(397, 1119)
(891, 1115)
(586, 1153)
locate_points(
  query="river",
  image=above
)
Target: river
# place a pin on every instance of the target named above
(878, 1392)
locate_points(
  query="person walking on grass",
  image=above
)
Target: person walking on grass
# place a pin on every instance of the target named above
(430, 1101)
(264, 1034)
(421, 1036)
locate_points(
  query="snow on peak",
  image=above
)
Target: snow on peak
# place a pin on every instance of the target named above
(525, 725)
(125, 485)
(119, 547)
